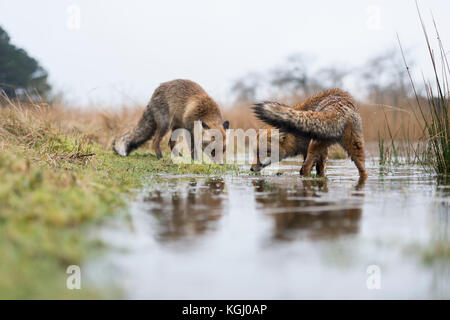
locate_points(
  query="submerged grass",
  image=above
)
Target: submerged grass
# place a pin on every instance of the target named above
(56, 184)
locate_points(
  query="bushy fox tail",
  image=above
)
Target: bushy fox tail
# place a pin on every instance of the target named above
(143, 132)
(323, 125)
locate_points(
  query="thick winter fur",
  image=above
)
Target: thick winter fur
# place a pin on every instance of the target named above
(291, 145)
(329, 117)
(174, 104)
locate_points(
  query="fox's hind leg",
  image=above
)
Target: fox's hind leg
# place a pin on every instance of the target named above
(355, 149)
(143, 132)
(315, 151)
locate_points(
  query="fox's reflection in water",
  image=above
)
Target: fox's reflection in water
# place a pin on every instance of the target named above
(281, 236)
(299, 212)
(187, 208)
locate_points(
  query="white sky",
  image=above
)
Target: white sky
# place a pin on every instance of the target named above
(124, 49)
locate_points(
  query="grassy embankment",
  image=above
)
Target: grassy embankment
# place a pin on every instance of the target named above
(57, 182)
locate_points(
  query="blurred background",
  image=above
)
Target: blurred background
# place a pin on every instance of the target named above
(111, 55)
(117, 52)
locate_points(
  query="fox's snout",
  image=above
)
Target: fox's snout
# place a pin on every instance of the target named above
(120, 147)
(256, 167)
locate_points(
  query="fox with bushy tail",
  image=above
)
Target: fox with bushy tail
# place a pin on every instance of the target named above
(291, 145)
(174, 105)
(333, 117)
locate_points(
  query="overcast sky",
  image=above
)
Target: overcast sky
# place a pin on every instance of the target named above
(119, 51)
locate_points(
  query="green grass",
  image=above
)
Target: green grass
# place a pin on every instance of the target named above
(54, 188)
(433, 151)
(436, 252)
(437, 123)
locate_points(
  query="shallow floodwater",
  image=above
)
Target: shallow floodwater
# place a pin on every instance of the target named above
(279, 236)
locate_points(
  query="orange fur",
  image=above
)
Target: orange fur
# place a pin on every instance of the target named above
(329, 117)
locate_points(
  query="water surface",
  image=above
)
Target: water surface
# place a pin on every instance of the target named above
(279, 236)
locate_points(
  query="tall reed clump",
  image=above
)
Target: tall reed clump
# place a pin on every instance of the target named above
(434, 114)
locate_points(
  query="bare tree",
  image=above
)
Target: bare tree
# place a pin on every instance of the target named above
(245, 88)
(295, 76)
(332, 77)
(384, 78)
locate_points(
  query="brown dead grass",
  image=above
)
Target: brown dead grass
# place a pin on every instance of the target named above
(99, 125)
(102, 126)
(376, 119)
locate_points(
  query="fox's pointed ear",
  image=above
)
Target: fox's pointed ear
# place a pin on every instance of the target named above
(204, 125)
(226, 124)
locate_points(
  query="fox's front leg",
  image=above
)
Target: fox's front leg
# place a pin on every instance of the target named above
(321, 162)
(156, 142)
(192, 146)
(172, 144)
(160, 132)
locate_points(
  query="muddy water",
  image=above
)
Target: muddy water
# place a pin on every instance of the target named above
(277, 236)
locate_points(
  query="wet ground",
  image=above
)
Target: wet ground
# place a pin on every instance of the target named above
(278, 236)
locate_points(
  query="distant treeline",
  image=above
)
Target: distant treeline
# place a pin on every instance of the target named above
(382, 79)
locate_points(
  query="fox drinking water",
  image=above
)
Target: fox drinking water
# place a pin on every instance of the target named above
(309, 128)
(176, 104)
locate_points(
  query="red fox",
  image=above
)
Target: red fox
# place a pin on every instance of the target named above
(329, 117)
(174, 104)
(291, 145)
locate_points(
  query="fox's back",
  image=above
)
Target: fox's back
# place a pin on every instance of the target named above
(329, 99)
(184, 100)
(177, 93)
